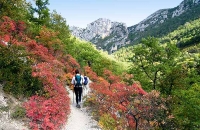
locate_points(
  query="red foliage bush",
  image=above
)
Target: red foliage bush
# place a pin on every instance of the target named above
(129, 105)
(49, 109)
(114, 97)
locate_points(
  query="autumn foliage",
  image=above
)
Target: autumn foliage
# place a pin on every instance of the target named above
(49, 107)
(126, 106)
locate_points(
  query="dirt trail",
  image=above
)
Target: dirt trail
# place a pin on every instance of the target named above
(79, 118)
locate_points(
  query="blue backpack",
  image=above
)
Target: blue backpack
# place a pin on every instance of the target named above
(85, 80)
(78, 81)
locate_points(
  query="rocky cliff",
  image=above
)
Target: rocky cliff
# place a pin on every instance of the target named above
(104, 33)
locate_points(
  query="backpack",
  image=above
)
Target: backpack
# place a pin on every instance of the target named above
(78, 81)
(85, 80)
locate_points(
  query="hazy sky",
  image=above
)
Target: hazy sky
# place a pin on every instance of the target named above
(82, 12)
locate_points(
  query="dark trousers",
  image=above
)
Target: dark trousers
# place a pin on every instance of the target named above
(78, 93)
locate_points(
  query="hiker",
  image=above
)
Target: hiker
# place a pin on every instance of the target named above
(78, 81)
(85, 84)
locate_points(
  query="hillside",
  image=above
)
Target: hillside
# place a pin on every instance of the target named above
(165, 21)
(185, 37)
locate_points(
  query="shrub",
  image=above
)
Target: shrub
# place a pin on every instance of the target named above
(15, 72)
(19, 113)
(4, 108)
(107, 122)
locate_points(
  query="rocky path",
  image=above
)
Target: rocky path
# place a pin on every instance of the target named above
(79, 118)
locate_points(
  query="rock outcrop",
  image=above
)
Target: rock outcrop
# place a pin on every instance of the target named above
(104, 33)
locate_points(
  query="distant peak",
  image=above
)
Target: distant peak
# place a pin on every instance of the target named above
(103, 19)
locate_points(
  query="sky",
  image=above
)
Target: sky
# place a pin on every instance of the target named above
(79, 13)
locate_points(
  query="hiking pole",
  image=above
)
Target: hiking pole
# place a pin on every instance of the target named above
(73, 96)
(83, 91)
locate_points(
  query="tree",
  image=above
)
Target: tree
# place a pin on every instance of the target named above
(58, 24)
(147, 62)
(15, 9)
(153, 62)
(163, 67)
(149, 111)
(187, 108)
(41, 12)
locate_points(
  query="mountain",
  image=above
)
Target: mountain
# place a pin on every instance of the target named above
(111, 36)
(186, 38)
(104, 33)
(165, 21)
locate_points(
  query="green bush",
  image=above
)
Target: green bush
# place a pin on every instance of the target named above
(15, 72)
(4, 108)
(108, 122)
(19, 113)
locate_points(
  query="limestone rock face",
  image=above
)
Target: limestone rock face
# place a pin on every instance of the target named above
(7, 106)
(103, 32)
(111, 36)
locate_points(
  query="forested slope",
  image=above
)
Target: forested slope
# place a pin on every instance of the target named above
(184, 37)
(170, 65)
(190, 13)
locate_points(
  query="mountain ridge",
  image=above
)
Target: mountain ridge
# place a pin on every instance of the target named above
(111, 36)
(102, 30)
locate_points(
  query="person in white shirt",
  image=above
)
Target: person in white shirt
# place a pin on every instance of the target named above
(86, 85)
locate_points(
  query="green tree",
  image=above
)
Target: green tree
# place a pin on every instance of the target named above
(40, 13)
(58, 24)
(155, 64)
(15, 9)
(147, 62)
(187, 109)
(163, 67)
(15, 72)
